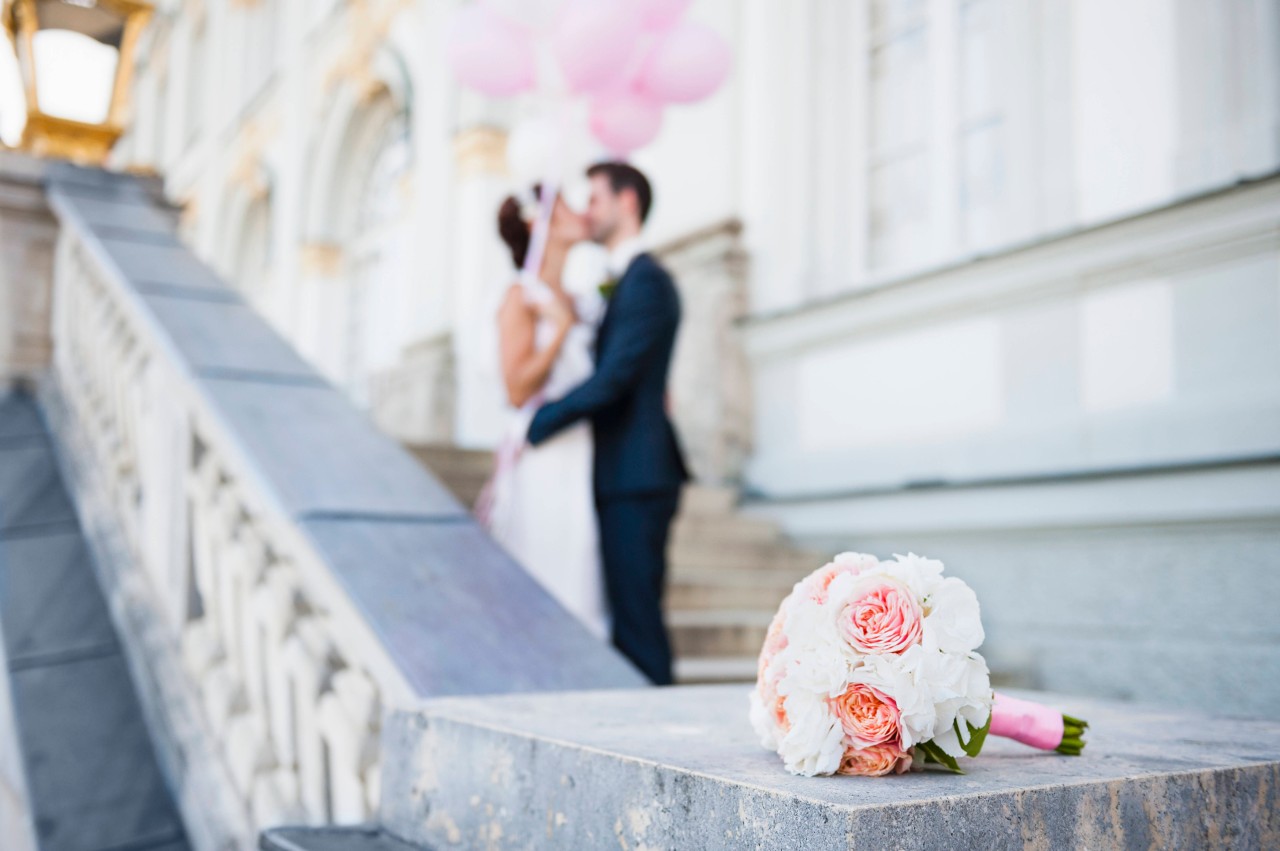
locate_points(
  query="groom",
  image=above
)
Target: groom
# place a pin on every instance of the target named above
(638, 467)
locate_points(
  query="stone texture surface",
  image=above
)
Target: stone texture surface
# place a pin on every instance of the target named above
(225, 337)
(331, 839)
(680, 768)
(453, 577)
(89, 765)
(321, 455)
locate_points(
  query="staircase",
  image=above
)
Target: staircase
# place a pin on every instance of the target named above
(728, 571)
(90, 768)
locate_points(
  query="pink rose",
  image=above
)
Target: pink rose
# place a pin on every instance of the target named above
(875, 761)
(881, 617)
(868, 716)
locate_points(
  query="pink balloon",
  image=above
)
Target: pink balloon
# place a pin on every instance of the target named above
(490, 55)
(624, 123)
(662, 14)
(686, 65)
(594, 41)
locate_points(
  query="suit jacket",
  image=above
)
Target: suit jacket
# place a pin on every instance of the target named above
(625, 400)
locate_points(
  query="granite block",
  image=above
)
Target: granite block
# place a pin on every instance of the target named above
(322, 455)
(91, 770)
(226, 336)
(330, 839)
(111, 209)
(171, 264)
(50, 603)
(19, 417)
(681, 768)
(458, 614)
(31, 492)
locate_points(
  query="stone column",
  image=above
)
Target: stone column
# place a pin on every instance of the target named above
(710, 384)
(27, 237)
(482, 267)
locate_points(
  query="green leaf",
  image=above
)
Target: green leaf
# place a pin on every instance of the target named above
(977, 737)
(935, 754)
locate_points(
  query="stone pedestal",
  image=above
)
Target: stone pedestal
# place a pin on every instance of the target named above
(680, 768)
(27, 237)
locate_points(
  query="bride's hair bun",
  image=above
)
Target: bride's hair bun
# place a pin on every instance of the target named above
(514, 230)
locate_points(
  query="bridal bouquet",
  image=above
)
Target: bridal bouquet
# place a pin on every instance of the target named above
(871, 667)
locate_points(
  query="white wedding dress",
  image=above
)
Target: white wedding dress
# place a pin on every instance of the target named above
(542, 506)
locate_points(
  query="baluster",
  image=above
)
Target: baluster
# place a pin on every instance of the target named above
(349, 724)
(308, 666)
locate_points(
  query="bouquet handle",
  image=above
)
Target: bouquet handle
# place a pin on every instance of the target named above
(1037, 725)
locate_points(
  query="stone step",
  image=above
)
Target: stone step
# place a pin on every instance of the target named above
(67, 697)
(695, 529)
(681, 768)
(708, 500)
(743, 555)
(691, 589)
(697, 634)
(726, 669)
(463, 471)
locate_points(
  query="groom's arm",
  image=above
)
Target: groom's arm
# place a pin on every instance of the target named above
(645, 313)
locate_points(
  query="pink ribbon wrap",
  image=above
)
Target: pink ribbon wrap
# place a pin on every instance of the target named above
(1023, 721)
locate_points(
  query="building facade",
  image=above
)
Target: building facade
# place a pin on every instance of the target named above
(992, 280)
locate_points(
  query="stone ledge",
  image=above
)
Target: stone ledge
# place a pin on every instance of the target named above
(680, 768)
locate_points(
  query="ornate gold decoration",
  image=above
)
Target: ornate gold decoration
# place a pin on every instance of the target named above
(480, 150)
(367, 29)
(248, 171)
(320, 258)
(53, 136)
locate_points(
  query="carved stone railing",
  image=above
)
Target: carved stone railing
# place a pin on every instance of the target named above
(281, 573)
(414, 400)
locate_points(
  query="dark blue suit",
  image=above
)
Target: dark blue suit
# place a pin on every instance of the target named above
(638, 467)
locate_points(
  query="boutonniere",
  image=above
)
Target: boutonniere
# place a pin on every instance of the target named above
(608, 288)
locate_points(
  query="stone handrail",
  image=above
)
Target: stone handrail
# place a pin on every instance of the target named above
(305, 574)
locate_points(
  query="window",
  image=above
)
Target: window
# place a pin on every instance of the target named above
(899, 156)
(377, 256)
(938, 149)
(982, 136)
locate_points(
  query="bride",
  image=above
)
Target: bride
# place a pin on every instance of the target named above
(540, 504)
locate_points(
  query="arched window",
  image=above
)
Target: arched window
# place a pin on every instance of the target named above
(376, 247)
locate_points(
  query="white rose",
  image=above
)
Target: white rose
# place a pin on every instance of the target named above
(954, 620)
(961, 692)
(922, 575)
(815, 742)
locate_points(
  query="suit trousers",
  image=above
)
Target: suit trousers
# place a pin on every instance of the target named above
(633, 540)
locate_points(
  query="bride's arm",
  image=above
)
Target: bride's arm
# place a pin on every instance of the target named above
(524, 367)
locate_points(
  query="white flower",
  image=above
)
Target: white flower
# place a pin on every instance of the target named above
(762, 722)
(960, 688)
(815, 742)
(815, 658)
(905, 679)
(954, 620)
(858, 561)
(922, 575)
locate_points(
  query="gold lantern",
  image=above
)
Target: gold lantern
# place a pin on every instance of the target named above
(76, 60)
